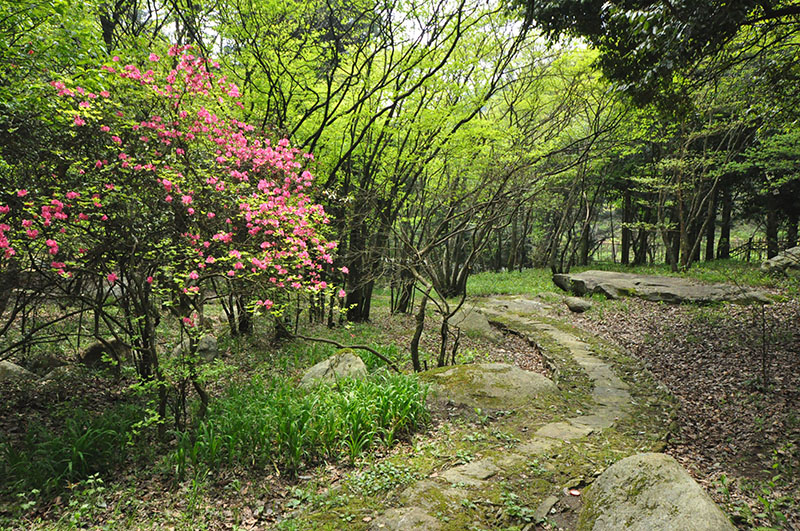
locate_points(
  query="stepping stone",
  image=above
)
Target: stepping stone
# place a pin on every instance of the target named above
(472, 474)
(536, 446)
(405, 518)
(563, 431)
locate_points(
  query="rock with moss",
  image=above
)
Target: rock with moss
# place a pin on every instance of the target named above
(649, 492)
(614, 285)
(473, 323)
(343, 364)
(405, 518)
(577, 305)
(11, 371)
(786, 262)
(490, 385)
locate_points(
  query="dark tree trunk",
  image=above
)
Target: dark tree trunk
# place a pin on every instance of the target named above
(711, 226)
(627, 219)
(418, 333)
(791, 231)
(724, 247)
(772, 231)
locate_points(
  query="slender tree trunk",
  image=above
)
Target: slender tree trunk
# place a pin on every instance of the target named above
(627, 219)
(791, 231)
(724, 247)
(418, 332)
(772, 231)
(711, 226)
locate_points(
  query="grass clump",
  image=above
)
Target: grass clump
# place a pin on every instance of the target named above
(275, 423)
(46, 461)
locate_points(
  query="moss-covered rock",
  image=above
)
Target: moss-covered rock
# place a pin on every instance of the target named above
(490, 385)
(649, 492)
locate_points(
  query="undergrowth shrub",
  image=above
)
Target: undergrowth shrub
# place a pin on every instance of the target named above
(88, 444)
(268, 423)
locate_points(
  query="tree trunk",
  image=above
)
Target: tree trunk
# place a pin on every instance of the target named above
(791, 231)
(627, 219)
(724, 247)
(418, 332)
(711, 226)
(772, 230)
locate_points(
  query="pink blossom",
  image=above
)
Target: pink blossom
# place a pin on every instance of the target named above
(22, 193)
(168, 199)
(266, 303)
(186, 199)
(32, 234)
(210, 215)
(112, 278)
(105, 94)
(72, 195)
(342, 293)
(98, 164)
(193, 275)
(84, 105)
(105, 128)
(79, 121)
(153, 57)
(4, 209)
(115, 58)
(149, 280)
(345, 270)
(116, 139)
(188, 322)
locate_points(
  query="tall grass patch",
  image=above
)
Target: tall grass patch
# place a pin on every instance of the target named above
(47, 460)
(268, 423)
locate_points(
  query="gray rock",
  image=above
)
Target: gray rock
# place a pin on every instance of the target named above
(206, 348)
(649, 492)
(577, 305)
(654, 288)
(544, 508)
(62, 373)
(343, 364)
(474, 323)
(404, 519)
(11, 371)
(492, 385)
(472, 474)
(787, 262)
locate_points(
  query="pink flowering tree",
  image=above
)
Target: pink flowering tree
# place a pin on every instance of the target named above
(158, 190)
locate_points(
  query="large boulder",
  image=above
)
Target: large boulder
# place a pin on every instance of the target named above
(206, 347)
(577, 305)
(489, 385)
(787, 262)
(343, 364)
(11, 371)
(649, 492)
(614, 285)
(473, 323)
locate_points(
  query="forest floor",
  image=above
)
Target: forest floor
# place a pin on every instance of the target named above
(737, 432)
(735, 371)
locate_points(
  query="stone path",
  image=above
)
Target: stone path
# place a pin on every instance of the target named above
(610, 395)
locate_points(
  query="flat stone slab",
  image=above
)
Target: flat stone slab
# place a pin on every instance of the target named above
(472, 474)
(563, 431)
(492, 385)
(432, 496)
(405, 518)
(615, 285)
(649, 492)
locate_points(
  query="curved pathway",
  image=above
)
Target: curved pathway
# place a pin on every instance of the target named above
(611, 401)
